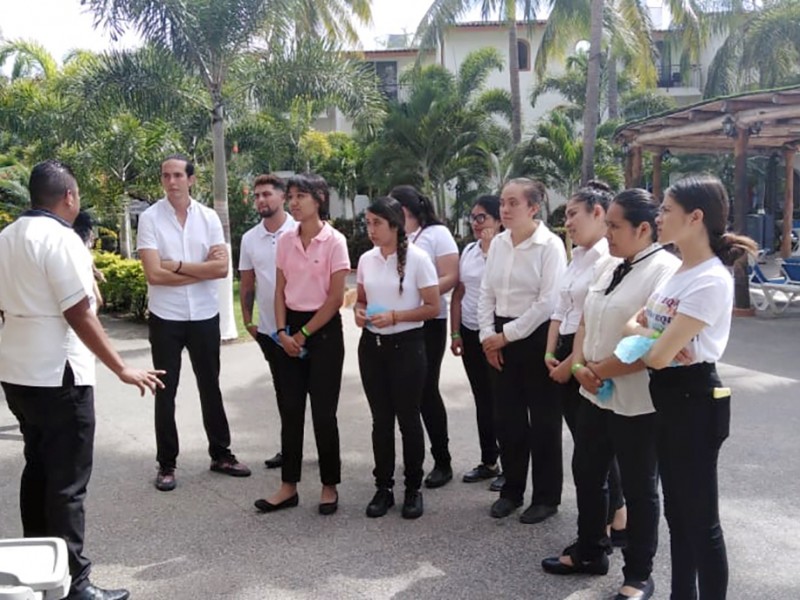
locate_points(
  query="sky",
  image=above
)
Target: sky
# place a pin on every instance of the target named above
(63, 25)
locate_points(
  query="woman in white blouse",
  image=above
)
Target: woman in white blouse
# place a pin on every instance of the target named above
(484, 219)
(586, 225)
(623, 422)
(518, 294)
(397, 291)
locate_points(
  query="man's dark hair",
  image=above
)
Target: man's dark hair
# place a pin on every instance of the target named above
(270, 179)
(183, 158)
(49, 182)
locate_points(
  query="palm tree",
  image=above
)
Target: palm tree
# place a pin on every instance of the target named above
(31, 59)
(444, 13)
(590, 115)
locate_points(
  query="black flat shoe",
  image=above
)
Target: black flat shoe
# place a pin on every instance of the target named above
(497, 484)
(380, 504)
(646, 590)
(554, 566)
(92, 592)
(274, 462)
(481, 473)
(412, 505)
(265, 507)
(536, 513)
(504, 507)
(328, 508)
(438, 477)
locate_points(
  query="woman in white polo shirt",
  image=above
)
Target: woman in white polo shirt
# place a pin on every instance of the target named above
(427, 232)
(484, 219)
(518, 294)
(622, 423)
(398, 289)
(690, 314)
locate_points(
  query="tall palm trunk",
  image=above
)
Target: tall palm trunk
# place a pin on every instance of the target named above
(513, 71)
(590, 116)
(613, 86)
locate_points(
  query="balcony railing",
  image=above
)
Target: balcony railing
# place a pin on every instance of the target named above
(671, 76)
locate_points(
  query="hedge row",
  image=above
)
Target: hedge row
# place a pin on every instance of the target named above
(125, 288)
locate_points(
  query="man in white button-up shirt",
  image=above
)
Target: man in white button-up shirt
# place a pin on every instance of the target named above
(183, 253)
(47, 365)
(258, 273)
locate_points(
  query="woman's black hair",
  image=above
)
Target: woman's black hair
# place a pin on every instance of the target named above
(706, 193)
(313, 184)
(390, 209)
(82, 225)
(489, 203)
(535, 191)
(639, 206)
(417, 203)
(594, 193)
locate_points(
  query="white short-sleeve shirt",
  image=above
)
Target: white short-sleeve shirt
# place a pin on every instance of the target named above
(436, 241)
(470, 272)
(378, 276)
(44, 270)
(160, 230)
(257, 253)
(705, 293)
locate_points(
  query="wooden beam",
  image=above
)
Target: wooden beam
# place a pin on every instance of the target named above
(741, 203)
(629, 169)
(788, 204)
(657, 174)
(636, 167)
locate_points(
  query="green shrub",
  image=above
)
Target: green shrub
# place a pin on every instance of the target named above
(5, 220)
(108, 239)
(355, 231)
(125, 288)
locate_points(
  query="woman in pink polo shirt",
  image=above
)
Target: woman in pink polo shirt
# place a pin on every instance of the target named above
(312, 265)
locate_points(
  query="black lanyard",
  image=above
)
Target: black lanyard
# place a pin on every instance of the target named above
(624, 268)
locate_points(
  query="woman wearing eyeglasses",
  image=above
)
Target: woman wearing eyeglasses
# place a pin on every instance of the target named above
(518, 294)
(484, 219)
(622, 422)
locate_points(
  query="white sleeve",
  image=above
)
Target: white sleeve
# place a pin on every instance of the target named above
(443, 242)
(245, 261)
(487, 301)
(146, 232)
(426, 275)
(215, 233)
(701, 299)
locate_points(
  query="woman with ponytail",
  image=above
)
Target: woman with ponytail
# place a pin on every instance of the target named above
(428, 233)
(690, 317)
(398, 289)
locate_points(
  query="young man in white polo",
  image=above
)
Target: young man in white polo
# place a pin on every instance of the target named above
(258, 272)
(183, 252)
(51, 336)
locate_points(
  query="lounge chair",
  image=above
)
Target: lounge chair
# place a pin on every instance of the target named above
(776, 293)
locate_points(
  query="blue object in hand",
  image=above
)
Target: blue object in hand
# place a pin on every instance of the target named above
(605, 391)
(375, 309)
(277, 339)
(632, 348)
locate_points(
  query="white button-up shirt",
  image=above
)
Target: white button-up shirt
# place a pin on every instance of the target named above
(470, 270)
(44, 270)
(586, 264)
(160, 230)
(257, 254)
(521, 282)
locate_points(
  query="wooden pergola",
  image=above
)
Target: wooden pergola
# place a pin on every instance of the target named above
(759, 122)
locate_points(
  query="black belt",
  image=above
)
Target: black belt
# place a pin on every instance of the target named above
(395, 338)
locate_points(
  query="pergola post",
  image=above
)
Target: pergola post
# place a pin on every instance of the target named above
(657, 175)
(741, 203)
(628, 163)
(636, 167)
(788, 203)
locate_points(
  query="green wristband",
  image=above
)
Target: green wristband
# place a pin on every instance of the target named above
(249, 324)
(455, 335)
(576, 367)
(306, 333)
(655, 335)
(549, 355)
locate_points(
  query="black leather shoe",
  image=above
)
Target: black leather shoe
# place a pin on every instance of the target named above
(536, 513)
(554, 566)
(504, 507)
(165, 480)
(380, 504)
(328, 508)
(646, 590)
(438, 477)
(265, 507)
(412, 505)
(497, 484)
(275, 462)
(92, 592)
(480, 473)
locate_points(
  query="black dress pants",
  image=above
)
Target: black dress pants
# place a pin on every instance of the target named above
(571, 399)
(202, 340)
(272, 353)
(601, 435)
(434, 414)
(57, 425)
(692, 427)
(528, 420)
(480, 381)
(318, 376)
(393, 375)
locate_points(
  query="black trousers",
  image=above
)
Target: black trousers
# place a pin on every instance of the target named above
(57, 425)
(202, 340)
(692, 427)
(571, 399)
(528, 420)
(480, 381)
(601, 435)
(272, 353)
(318, 376)
(434, 414)
(393, 375)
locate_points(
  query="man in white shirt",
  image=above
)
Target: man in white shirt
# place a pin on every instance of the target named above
(258, 273)
(51, 335)
(183, 252)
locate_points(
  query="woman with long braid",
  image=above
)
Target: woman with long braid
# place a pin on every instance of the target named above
(398, 289)
(428, 233)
